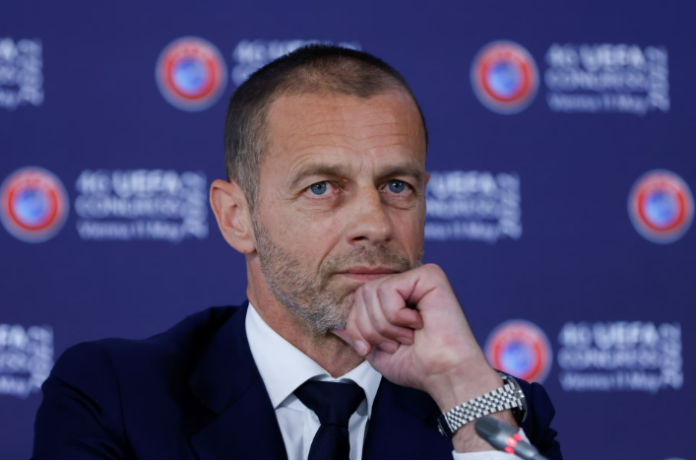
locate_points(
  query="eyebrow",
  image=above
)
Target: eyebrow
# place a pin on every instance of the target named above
(319, 169)
(409, 169)
(342, 170)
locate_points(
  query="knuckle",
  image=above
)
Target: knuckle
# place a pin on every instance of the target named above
(371, 286)
(433, 269)
(382, 326)
(390, 314)
(392, 332)
(435, 273)
(366, 292)
(372, 337)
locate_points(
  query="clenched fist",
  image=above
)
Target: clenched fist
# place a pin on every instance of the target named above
(412, 330)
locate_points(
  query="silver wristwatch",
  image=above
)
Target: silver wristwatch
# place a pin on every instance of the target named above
(507, 397)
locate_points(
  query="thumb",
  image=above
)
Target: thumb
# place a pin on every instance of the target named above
(343, 334)
(361, 347)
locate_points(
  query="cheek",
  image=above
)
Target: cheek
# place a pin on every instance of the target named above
(408, 227)
(305, 234)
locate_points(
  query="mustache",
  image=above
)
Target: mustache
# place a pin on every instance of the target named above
(365, 256)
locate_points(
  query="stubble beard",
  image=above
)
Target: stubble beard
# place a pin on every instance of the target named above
(310, 295)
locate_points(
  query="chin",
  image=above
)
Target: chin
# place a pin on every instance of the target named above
(347, 285)
(343, 311)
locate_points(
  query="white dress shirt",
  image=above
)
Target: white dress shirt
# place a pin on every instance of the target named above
(284, 368)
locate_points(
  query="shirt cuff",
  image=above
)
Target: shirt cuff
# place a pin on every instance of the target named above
(491, 454)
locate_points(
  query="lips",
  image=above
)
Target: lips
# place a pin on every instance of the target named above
(367, 273)
(369, 270)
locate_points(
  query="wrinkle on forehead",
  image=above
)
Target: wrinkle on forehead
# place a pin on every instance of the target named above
(339, 123)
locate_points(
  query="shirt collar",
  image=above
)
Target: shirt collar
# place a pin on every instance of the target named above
(284, 368)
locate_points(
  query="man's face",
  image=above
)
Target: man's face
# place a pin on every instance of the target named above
(342, 200)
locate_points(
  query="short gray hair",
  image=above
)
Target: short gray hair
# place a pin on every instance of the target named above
(312, 69)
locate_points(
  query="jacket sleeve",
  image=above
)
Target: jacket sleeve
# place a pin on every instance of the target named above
(80, 415)
(538, 423)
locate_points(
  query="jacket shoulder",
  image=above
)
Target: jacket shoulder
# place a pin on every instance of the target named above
(96, 389)
(181, 344)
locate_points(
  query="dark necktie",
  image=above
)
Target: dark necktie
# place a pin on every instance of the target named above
(333, 403)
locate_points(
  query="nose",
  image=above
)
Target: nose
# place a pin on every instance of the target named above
(368, 220)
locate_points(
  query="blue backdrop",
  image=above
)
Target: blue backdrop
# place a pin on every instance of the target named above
(561, 150)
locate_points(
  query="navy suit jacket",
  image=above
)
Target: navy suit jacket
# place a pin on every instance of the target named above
(194, 392)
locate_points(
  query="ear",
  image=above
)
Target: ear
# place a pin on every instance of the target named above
(233, 217)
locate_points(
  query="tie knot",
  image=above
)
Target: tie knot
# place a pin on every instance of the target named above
(333, 403)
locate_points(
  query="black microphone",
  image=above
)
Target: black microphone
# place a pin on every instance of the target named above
(505, 438)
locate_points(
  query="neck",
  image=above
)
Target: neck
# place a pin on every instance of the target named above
(328, 350)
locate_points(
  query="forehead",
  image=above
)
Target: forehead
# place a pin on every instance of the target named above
(388, 122)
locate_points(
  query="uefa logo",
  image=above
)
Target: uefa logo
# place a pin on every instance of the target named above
(661, 206)
(521, 349)
(191, 74)
(504, 77)
(34, 204)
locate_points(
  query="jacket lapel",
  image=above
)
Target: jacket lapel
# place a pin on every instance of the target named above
(403, 426)
(227, 382)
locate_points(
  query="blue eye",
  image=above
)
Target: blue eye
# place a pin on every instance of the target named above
(397, 187)
(318, 188)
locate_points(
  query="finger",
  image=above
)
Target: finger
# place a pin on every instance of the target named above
(351, 335)
(360, 345)
(396, 315)
(368, 331)
(375, 311)
(395, 308)
(344, 335)
(410, 288)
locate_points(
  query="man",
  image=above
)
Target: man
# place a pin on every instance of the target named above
(348, 347)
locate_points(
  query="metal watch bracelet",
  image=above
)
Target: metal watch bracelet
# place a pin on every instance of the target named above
(507, 397)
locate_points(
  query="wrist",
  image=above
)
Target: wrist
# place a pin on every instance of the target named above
(490, 394)
(463, 384)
